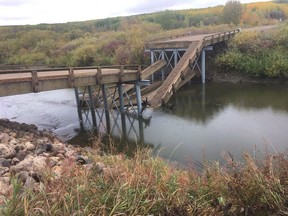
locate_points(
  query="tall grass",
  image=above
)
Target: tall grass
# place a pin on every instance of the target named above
(145, 185)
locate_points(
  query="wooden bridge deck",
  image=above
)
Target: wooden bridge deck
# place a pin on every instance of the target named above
(13, 82)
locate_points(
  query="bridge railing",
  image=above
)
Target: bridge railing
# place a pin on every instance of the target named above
(219, 37)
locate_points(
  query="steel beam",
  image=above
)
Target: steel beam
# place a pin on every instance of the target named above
(139, 99)
(79, 108)
(107, 114)
(91, 106)
(203, 62)
(121, 98)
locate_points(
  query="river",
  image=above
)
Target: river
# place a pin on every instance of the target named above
(199, 122)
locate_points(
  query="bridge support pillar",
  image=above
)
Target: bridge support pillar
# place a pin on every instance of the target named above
(203, 62)
(107, 114)
(152, 62)
(91, 105)
(79, 108)
(121, 98)
(139, 100)
(163, 71)
(175, 57)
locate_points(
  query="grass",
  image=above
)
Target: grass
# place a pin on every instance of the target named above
(145, 185)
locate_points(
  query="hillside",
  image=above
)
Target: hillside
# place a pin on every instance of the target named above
(119, 40)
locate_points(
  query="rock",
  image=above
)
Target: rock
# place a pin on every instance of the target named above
(43, 148)
(54, 161)
(81, 159)
(29, 146)
(13, 142)
(70, 153)
(22, 176)
(58, 148)
(25, 165)
(30, 183)
(26, 153)
(18, 147)
(15, 161)
(21, 155)
(3, 170)
(39, 164)
(6, 151)
(13, 134)
(40, 141)
(4, 138)
(57, 170)
(5, 162)
(88, 167)
(5, 180)
(2, 200)
(5, 189)
(99, 167)
(49, 147)
(35, 176)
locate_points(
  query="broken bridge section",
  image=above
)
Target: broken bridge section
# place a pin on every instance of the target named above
(182, 56)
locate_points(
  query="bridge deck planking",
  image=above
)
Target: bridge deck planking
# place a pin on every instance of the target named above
(174, 79)
(21, 82)
(17, 82)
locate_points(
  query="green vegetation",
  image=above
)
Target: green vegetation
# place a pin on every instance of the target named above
(258, 54)
(232, 12)
(121, 40)
(143, 185)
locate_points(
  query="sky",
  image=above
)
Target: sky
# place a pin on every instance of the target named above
(22, 12)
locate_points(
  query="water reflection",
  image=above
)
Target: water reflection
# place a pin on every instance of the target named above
(202, 102)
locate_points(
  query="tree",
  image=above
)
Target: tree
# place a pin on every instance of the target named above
(281, 1)
(232, 12)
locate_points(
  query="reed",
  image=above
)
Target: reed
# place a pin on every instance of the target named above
(146, 185)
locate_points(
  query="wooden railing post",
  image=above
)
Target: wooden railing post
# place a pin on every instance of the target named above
(35, 81)
(71, 78)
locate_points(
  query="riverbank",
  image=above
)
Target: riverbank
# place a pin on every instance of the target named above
(43, 176)
(228, 77)
(26, 154)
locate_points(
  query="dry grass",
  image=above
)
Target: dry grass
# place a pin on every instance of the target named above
(143, 185)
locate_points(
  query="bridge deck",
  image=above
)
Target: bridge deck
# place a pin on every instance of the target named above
(14, 82)
(172, 82)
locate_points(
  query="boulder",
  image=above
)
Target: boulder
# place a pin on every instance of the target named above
(39, 164)
(5, 189)
(4, 138)
(24, 165)
(6, 151)
(28, 146)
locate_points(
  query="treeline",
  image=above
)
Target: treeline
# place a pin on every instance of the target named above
(257, 54)
(119, 40)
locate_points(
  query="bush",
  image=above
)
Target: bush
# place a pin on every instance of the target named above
(257, 54)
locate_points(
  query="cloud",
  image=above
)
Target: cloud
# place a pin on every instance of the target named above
(159, 5)
(19, 12)
(13, 3)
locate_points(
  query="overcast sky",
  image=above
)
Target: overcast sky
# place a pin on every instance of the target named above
(20, 12)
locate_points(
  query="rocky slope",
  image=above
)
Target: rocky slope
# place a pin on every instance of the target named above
(26, 154)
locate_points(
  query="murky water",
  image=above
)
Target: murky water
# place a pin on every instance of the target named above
(199, 123)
